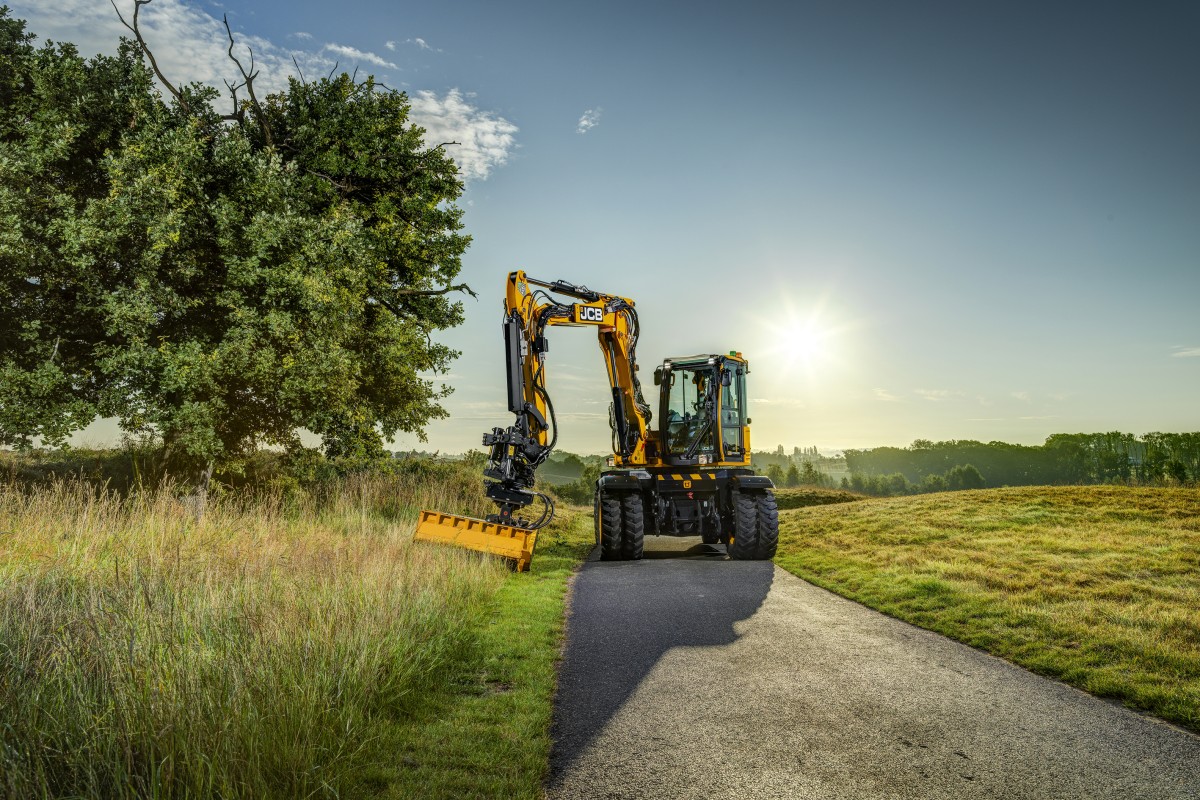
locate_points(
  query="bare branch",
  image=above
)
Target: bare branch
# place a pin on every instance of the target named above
(458, 287)
(237, 114)
(299, 71)
(248, 82)
(137, 34)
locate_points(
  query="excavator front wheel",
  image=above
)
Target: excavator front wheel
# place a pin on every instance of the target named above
(608, 526)
(755, 526)
(633, 527)
(768, 526)
(744, 546)
(619, 525)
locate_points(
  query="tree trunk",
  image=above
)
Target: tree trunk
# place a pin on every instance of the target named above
(201, 499)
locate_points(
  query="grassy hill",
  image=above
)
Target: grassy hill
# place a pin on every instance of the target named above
(806, 496)
(1096, 586)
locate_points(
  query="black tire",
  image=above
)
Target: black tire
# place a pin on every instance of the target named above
(744, 546)
(596, 515)
(768, 526)
(608, 526)
(633, 534)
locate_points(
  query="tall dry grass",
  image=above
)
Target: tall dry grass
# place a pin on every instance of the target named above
(145, 653)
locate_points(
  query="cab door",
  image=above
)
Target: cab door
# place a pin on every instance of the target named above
(732, 412)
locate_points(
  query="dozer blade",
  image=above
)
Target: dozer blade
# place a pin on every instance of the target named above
(505, 541)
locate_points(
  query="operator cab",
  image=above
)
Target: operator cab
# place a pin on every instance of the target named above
(702, 402)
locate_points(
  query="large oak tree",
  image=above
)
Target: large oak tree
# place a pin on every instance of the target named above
(221, 281)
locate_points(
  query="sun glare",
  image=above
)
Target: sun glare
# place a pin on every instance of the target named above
(803, 342)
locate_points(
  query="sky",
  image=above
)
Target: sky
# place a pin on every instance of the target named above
(923, 220)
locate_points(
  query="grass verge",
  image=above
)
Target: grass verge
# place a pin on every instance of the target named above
(485, 732)
(275, 647)
(1095, 586)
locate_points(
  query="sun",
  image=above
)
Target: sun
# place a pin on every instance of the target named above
(801, 340)
(804, 342)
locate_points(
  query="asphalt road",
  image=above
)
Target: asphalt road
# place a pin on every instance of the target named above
(690, 676)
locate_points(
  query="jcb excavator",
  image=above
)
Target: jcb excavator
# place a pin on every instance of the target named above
(689, 477)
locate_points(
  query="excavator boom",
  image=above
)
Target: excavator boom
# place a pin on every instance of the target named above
(518, 450)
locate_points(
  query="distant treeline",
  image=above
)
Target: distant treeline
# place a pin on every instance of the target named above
(1065, 458)
(1154, 459)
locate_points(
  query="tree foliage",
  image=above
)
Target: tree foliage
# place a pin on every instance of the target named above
(219, 281)
(59, 115)
(792, 478)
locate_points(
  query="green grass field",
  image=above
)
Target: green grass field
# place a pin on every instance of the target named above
(1096, 586)
(271, 649)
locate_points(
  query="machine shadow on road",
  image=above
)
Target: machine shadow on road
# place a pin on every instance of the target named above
(625, 615)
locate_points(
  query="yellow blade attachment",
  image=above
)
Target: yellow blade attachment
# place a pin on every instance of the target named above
(476, 534)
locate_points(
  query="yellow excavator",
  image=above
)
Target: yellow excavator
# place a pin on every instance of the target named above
(689, 477)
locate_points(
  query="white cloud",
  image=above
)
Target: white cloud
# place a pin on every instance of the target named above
(937, 395)
(422, 45)
(484, 139)
(302, 35)
(1185, 352)
(790, 402)
(190, 45)
(589, 120)
(390, 45)
(484, 405)
(582, 415)
(886, 396)
(1024, 397)
(354, 53)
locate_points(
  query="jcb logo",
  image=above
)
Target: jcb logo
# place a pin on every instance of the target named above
(589, 313)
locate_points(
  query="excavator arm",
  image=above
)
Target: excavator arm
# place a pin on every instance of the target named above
(517, 451)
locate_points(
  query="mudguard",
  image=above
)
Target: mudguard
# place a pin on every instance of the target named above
(751, 482)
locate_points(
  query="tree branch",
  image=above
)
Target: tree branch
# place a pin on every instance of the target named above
(402, 314)
(137, 7)
(248, 78)
(458, 287)
(344, 188)
(237, 115)
(299, 71)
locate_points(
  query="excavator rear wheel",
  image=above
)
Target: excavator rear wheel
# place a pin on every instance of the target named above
(744, 546)
(608, 526)
(633, 531)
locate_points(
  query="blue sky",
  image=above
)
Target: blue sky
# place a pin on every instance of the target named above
(922, 220)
